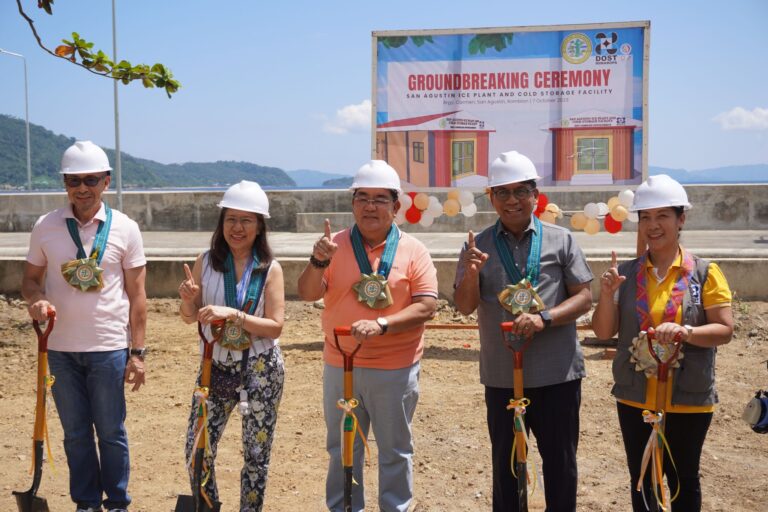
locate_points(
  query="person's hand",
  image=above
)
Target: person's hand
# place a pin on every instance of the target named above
(209, 314)
(39, 310)
(134, 372)
(611, 280)
(365, 329)
(670, 332)
(325, 248)
(527, 324)
(473, 258)
(188, 290)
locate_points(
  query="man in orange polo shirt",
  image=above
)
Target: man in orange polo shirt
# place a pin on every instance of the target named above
(373, 255)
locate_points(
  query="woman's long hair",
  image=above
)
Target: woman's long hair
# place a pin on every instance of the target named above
(220, 248)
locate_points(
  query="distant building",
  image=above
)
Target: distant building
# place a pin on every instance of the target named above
(437, 150)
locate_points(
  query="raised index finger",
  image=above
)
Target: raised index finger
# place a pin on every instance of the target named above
(188, 272)
(614, 261)
(327, 229)
(471, 240)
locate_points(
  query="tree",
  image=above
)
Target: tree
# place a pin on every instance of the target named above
(80, 52)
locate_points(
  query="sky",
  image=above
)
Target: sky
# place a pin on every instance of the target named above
(288, 84)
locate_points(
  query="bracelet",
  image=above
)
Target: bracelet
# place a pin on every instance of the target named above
(319, 263)
(181, 310)
(240, 319)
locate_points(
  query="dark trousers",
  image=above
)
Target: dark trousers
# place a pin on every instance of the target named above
(685, 433)
(553, 416)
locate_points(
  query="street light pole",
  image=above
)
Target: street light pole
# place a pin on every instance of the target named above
(26, 115)
(118, 166)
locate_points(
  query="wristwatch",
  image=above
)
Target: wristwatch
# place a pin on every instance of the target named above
(688, 328)
(546, 317)
(139, 352)
(383, 324)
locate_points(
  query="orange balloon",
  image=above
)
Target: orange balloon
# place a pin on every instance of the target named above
(421, 201)
(451, 207)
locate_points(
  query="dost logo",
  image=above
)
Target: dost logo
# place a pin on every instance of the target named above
(605, 48)
(576, 48)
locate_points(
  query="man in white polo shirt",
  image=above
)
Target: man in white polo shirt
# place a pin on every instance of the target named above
(86, 262)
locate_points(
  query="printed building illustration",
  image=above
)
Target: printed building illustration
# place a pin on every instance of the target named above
(437, 150)
(593, 148)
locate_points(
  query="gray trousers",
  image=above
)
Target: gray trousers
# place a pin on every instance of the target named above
(387, 402)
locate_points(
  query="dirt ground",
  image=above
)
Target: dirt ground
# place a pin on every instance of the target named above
(452, 450)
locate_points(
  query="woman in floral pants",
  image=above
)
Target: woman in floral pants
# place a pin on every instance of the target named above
(238, 283)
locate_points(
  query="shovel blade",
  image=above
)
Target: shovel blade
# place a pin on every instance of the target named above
(187, 504)
(28, 502)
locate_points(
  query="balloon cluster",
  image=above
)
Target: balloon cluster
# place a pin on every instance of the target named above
(613, 213)
(418, 207)
(546, 211)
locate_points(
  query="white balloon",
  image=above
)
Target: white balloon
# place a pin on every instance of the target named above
(469, 210)
(426, 219)
(405, 202)
(434, 208)
(591, 210)
(603, 208)
(633, 217)
(626, 197)
(466, 198)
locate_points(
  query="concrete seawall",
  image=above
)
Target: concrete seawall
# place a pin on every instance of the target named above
(716, 207)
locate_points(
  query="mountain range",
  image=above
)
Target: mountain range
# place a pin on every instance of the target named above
(47, 148)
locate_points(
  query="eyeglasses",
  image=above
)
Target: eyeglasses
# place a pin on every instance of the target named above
(503, 194)
(378, 202)
(76, 181)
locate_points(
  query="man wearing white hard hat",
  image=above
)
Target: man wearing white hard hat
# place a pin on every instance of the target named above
(86, 263)
(684, 298)
(238, 281)
(382, 283)
(533, 273)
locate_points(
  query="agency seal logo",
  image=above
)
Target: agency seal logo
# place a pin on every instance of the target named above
(576, 48)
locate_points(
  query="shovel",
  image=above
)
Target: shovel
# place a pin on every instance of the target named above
(29, 501)
(197, 502)
(664, 357)
(521, 455)
(347, 459)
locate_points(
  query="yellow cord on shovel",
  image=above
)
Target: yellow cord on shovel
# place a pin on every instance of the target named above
(649, 456)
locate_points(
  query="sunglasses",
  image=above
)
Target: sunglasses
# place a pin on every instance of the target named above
(76, 181)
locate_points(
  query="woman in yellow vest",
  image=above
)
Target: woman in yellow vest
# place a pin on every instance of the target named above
(681, 297)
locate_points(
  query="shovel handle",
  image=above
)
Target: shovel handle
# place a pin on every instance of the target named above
(42, 337)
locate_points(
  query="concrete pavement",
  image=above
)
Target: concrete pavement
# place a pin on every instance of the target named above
(706, 244)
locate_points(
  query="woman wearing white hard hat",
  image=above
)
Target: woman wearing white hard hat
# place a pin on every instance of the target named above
(240, 282)
(682, 297)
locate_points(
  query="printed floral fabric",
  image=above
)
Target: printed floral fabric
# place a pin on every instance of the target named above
(264, 379)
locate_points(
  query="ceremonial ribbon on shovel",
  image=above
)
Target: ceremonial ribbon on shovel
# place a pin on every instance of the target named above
(657, 443)
(519, 403)
(201, 447)
(349, 423)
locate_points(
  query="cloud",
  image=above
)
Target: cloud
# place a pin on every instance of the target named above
(352, 118)
(741, 119)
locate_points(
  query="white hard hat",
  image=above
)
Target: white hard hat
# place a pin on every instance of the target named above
(511, 167)
(376, 174)
(247, 196)
(659, 191)
(84, 157)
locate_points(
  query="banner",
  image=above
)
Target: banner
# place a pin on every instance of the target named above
(571, 98)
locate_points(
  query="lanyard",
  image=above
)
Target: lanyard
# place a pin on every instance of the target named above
(533, 263)
(387, 257)
(237, 296)
(675, 298)
(99, 242)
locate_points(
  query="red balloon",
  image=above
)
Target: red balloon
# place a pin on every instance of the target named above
(412, 194)
(611, 224)
(413, 214)
(541, 204)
